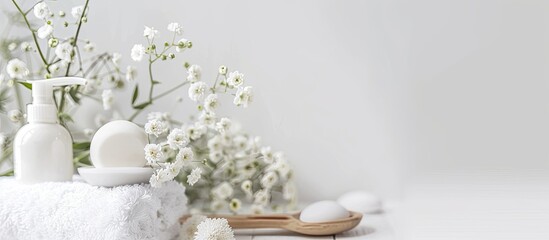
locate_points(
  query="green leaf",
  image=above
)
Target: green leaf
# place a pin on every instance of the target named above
(81, 145)
(142, 105)
(73, 93)
(135, 93)
(65, 117)
(26, 84)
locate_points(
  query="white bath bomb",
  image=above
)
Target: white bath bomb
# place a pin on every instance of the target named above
(360, 201)
(118, 143)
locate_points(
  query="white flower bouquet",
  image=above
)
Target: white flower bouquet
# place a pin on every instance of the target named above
(222, 167)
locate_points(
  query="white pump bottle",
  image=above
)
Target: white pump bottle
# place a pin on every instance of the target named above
(42, 149)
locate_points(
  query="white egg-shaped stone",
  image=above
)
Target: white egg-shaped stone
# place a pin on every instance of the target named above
(360, 201)
(323, 211)
(118, 143)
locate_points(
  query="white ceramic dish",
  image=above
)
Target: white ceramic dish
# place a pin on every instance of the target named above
(115, 176)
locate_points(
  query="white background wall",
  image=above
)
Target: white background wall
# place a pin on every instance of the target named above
(376, 95)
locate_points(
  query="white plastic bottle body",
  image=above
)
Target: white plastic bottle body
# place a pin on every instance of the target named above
(42, 152)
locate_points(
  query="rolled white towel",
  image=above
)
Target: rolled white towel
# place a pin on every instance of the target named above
(77, 210)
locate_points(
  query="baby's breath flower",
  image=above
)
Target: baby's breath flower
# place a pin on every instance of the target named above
(211, 103)
(149, 32)
(182, 44)
(41, 10)
(269, 180)
(61, 14)
(25, 46)
(235, 204)
(267, 154)
(45, 31)
(217, 205)
(235, 79)
(52, 42)
(215, 157)
(262, 197)
(89, 47)
(64, 51)
(175, 27)
(12, 46)
(216, 228)
(184, 155)
(257, 209)
(194, 176)
(189, 227)
(195, 72)
(153, 153)
(77, 11)
(131, 72)
(207, 118)
(137, 52)
(177, 138)
(15, 116)
(155, 127)
(223, 70)
(214, 144)
(116, 58)
(108, 99)
(223, 191)
(173, 170)
(246, 187)
(223, 125)
(244, 97)
(197, 91)
(17, 69)
(88, 132)
(196, 131)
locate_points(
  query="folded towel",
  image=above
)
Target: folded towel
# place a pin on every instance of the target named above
(77, 210)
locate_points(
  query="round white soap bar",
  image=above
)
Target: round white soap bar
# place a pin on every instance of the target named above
(360, 201)
(118, 144)
(323, 211)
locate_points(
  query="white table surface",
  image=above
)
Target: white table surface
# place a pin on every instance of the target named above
(372, 226)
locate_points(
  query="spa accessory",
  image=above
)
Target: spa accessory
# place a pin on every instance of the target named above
(115, 176)
(118, 144)
(116, 151)
(75, 210)
(292, 222)
(360, 201)
(42, 149)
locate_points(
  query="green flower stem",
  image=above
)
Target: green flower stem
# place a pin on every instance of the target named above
(33, 35)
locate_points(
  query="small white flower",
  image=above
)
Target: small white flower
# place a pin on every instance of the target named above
(89, 47)
(41, 10)
(77, 11)
(173, 170)
(155, 127)
(64, 51)
(25, 46)
(235, 205)
(184, 155)
(194, 176)
(281, 166)
(160, 176)
(216, 228)
(244, 96)
(223, 191)
(45, 31)
(240, 142)
(116, 58)
(177, 139)
(246, 187)
(54, 68)
(149, 32)
(211, 103)
(235, 79)
(267, 154)
(194, 73)
(214, 144)
(257, 209)
(131, 73)
(188, 229)
(175, 27)
(137, 52)
(217, 205)
(15, 116)
(223, 125)
(182, 44)
(262, 197)
(269, 180)
(197, 91)
(88, 132)
(153, 153)
(208, 118)
(222, 70)
(196, 131)
(108, 99)
(12, 46)
(215, 157)
(17, 69)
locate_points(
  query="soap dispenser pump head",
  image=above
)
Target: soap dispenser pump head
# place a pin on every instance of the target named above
(43, 108)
